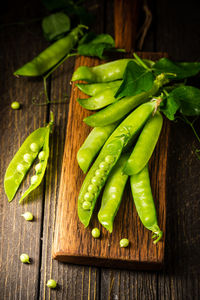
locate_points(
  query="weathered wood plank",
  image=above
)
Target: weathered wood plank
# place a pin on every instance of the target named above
(17, 280)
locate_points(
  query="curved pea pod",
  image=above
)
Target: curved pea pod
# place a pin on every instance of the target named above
(119, 109)
(51, 55)
(102, 99)
(40, 174)
(96, 177)
(143, 199)
(22, 161)
(106, 72)
(145, 145)
(113, 193)
(93, 144)
(133, 124)
(93, 89)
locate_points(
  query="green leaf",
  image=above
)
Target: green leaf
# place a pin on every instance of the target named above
(95, 45)
(55, 25)
(182, 70)
(186, 99)
(136, 79)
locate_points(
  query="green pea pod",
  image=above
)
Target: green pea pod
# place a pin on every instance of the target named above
(51, 55)
(143, 199)
(106, 72)
(123, 135)
(113, 193)
(22, 161)
(119, 109)
(145, 145)
(41, 173)
(93, 89)
(102, 99)
(96, 177)
(93, 144)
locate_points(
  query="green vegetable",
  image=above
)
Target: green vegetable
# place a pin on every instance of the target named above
(119, 109)
(15, 105)
(143, 199)
(24, 258)
(96, 233)
(112, 194)
(51, 56)
(124, 243)
(27, 216)
(55, 25)
(93, 144)
(145, 145)
(23, 160)
(102, 99)
(51, 283)
(93, 89)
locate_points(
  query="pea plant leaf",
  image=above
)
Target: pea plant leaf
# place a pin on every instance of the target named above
(182, 69)
(185, 99)
(55, 26)
(95, 45)
(136, 79)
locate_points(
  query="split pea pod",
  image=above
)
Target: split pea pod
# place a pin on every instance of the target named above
(119, 109)
(96, 178)
(102, 99)
(145, 145)
(93, 144)
(22, 161)
(93, 89)
(143, 199)
(123, 135)
(113, 193)
(51, 55)
(106, 72)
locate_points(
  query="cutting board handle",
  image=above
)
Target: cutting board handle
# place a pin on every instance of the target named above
(126, 14)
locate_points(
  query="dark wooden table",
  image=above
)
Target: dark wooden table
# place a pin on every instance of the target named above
(176, 30)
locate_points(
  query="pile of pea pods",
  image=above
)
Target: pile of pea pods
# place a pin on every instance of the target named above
(124, 135)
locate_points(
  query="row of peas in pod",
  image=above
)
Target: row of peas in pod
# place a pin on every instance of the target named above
(36, 146)
(120, 145)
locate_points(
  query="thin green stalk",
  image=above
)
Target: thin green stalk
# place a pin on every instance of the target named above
(141, 62)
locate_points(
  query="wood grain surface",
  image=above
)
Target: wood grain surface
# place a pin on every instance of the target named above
(72, 242)
(171, 31)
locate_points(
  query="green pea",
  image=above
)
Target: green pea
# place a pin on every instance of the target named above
(96, 181)
(104, 165)
(27, 216)
(124, 243)
(99, 173)
(34, 147)
(92, 188)
(24, 258)
(51, 283)
(96, 233)
(34, 179)
(89, 197)
(41, 155)
(86, 205)
(28, 158)
(15, 105)
(38, 168)
(109, 159)
(21, 169)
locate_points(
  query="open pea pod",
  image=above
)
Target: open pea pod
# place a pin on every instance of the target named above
(22, 161)
(37, 179)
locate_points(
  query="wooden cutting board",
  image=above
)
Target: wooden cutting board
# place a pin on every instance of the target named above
(72, 242)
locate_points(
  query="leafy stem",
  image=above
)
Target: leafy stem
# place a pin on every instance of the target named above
(141, 62)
